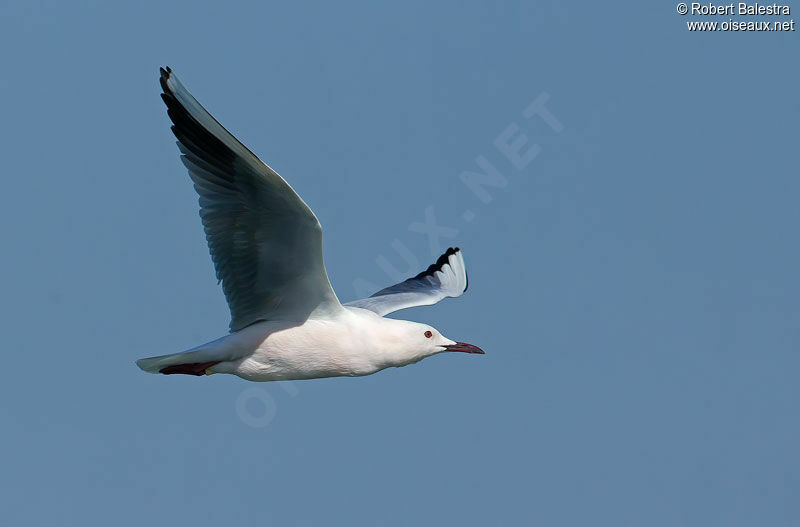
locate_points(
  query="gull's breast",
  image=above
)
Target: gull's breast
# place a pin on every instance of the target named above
(315, 349)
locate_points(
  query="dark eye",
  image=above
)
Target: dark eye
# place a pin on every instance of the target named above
(428, 334)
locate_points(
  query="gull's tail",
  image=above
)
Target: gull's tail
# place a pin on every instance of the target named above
(153, 365)
(192, 362)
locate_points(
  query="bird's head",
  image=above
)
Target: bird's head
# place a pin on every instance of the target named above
(408, 342)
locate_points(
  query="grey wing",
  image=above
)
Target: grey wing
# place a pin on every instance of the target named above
(266, 244)
(445, 278)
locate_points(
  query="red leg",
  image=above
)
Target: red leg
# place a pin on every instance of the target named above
(195, 368)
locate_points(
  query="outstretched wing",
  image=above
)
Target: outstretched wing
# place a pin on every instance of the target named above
(265, 242)
(445, 278)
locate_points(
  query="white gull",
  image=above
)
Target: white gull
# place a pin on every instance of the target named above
(266, 244)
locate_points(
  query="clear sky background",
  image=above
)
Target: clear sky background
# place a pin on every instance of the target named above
(634, 284)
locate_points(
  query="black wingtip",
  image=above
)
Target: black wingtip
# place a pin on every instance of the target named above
(165, 73)
(163, 81)
(440, 262)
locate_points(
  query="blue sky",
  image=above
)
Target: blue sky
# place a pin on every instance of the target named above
(633, 281)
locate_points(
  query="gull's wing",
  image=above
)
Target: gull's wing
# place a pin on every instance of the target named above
(445, 278)
(265, 242)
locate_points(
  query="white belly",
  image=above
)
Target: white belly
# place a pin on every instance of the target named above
(315, 349)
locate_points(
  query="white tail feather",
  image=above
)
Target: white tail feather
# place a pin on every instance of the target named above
(218, 350)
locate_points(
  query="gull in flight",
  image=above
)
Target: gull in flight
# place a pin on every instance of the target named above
(266, 244)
